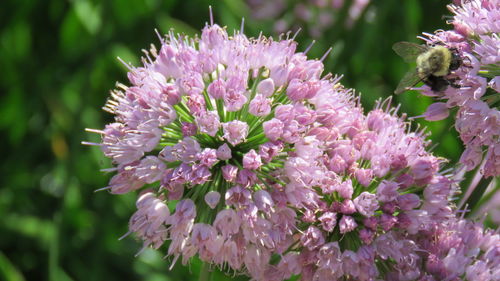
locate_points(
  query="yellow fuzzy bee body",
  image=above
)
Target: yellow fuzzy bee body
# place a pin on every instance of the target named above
(433, 64)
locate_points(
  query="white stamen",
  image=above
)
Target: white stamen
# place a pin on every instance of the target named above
(101, 189)
(95, 131)
(326, 54)
(296, 33)
(91, 143)
(211, 15)
(125, 235)
(126, 64)
(309, 47)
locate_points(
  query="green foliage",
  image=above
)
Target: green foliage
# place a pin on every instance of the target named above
(59, 63)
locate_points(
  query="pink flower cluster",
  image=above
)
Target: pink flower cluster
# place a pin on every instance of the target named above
(457, 249)
(476, 93)
(275, 170)
(316, 15)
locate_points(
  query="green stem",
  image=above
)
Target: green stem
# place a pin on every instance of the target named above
(205, 272)
(478, 192)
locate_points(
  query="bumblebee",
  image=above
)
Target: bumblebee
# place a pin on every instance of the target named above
(434, 63)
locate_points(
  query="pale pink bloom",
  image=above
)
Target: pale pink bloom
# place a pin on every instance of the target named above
(329, 255)
(217, 89)
(238, 196)
(212, 198)
(328, 221)
(366, 235)
(148, 222)
(125, 180)
(189, 129)
(191, 84)
(345, 189)
(235, 132)
(150, 169)
(263, 201)
(366, 204)
(251, 160)
(289, 264)
(224, 152)
(260, 106)
(234, 100)
(364, 176)
(298, 90)
(408, 201)
(208, 157)
(479, 271)
(202, 234)
(273, 129)
(229, 172)
(266, 87)
(246, 178)
(347, 207)
(436, 111)
(312, 238)
(269, 150)
(387, 221)
(387, 191)
(347, 224)
(284, 113)
(227, 222)
(350, 263)
(208, 123)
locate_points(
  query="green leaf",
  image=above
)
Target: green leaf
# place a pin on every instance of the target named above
(8, 271)
(478, 193)
(88, 15)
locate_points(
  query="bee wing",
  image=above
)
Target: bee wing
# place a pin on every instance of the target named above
(410, 79)
(408, 51)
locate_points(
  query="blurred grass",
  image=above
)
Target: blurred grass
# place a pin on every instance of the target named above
(59, 63)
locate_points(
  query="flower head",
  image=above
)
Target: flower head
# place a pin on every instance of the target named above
(474, 90)
(294, 158)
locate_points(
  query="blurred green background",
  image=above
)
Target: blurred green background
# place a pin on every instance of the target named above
(58, 63)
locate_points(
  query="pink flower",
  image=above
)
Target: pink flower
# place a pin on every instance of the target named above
(273, 129)
(298, 90)
(230, 172)
(208, 123)
(266, 87)
(260, 106)
(408, 201)
(251, 160)
(235, 132)
(234, 100)
(345, 189)
(328, 221)
(189, 129)
(436, 111)
(312, 238)
(224, 152)
(212, 199)
(217, 89)
(299, 186)
(347, 224)
(208, 157)
(387, 191)
(366, 204)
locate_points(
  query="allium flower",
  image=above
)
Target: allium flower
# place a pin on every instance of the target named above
(476, 93)
(312, 187)
(457, 248)
(316, 16)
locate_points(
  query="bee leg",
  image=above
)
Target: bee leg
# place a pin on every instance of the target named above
(436, 83)
(452, 83)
